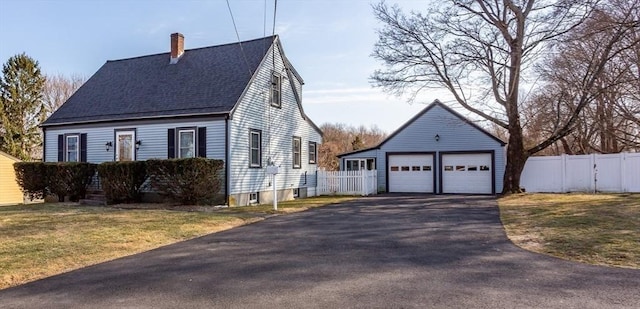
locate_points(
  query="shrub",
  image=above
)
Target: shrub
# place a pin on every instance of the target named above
(56, 180)
(186, 181)
(122, 181)
(79, 177)
(62, 179)
(69, 179)
(31, 178)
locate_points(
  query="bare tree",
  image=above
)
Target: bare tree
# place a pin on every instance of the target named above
(608, 123)
(483, 52)
(339, 138)
(59, 88)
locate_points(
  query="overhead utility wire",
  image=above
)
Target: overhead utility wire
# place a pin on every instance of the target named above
(273, 65)
(239, 42)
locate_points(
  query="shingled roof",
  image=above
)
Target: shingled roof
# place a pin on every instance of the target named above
(207, 80)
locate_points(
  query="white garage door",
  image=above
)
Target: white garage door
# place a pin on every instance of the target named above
(466, 173)
(410, 173)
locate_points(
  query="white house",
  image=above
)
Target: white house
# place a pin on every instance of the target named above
(239, 102)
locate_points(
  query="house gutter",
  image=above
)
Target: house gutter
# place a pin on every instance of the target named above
(44, 125)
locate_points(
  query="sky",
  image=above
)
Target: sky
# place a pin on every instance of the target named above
(329, 42)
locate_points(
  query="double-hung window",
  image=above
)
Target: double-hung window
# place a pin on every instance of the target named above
(187, 143)
(297, 152)
(255, 148)
(276, 89)
(73, 148)
(313, 152)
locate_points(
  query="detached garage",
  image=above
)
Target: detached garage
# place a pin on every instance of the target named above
(438, 151)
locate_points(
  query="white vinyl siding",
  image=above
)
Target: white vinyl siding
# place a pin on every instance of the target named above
(151, 133)
(277, 125)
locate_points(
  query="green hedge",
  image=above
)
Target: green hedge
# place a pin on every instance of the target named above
(31, 178)
(122, 181)
(62, 179)
(187, 181)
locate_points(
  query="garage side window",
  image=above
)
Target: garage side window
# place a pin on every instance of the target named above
(484, 168)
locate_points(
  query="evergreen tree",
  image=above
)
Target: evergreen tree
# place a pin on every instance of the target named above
(21, 106)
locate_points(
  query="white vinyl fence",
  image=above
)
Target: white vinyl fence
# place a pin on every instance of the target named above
(347, 183)
(619, 172)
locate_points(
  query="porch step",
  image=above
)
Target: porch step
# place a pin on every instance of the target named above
(94, 198)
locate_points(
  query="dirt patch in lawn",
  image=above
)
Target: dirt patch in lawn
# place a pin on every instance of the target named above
(601, 229)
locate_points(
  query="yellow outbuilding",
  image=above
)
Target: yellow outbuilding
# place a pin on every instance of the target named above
(10, 192)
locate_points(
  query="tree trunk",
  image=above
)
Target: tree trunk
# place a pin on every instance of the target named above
(516, 158)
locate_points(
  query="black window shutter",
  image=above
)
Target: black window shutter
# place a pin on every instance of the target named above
(202, 142)
(83, 147)
(171, 143)
(60, 147)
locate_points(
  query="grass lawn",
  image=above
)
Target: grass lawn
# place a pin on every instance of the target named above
(40, 240)
(602, 229)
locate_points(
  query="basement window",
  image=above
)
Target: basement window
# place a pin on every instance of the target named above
(254, 198)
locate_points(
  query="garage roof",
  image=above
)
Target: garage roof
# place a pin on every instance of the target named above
(417, 116)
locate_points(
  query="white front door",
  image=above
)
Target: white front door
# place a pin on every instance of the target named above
(125, 145)
(467, 173)
(411, 173)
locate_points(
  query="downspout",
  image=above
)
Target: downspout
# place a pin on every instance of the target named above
(226, 159)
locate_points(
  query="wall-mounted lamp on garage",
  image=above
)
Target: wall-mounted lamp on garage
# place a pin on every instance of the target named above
(108, 146)
(138, 143)
(437, 137)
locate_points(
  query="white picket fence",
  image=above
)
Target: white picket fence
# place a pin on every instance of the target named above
(347, 183)
(618, 172)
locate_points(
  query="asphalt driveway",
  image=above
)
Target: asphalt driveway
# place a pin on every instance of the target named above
(378, 252)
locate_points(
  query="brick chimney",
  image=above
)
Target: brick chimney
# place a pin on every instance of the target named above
(177, 47)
